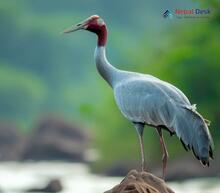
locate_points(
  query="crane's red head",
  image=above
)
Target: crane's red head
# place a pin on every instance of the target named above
(93, 24)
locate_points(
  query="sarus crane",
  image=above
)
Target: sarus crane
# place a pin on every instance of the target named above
(146, 100)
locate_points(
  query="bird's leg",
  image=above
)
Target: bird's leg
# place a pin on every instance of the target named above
(140, 130)
(164, 149)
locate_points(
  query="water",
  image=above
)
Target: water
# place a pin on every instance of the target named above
(17, 177)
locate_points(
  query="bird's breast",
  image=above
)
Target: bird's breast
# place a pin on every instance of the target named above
(133, 102)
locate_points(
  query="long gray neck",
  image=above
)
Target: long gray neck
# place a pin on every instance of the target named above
(105, 69)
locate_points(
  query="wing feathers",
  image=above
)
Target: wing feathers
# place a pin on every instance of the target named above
(193, 133)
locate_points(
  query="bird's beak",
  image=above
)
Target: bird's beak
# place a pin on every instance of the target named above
(79, 26)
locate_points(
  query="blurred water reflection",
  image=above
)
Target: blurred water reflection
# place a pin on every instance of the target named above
(18, 177)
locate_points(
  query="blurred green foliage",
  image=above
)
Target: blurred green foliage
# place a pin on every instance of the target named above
(20, 93)
(44, 72)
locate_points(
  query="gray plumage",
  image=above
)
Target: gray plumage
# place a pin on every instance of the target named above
(146, 100)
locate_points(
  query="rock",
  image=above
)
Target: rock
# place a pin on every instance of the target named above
(141, 182)
(55, 139)
(12, 143)
(119, 168)
(182, 168)
(188, 167)
(53, 186)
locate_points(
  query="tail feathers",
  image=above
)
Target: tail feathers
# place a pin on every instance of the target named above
(193, 133)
